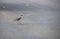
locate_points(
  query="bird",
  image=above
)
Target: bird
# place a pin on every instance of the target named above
(18, 19)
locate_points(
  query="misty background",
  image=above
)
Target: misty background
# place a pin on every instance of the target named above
(41, 19)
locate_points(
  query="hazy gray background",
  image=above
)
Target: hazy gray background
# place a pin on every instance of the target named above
(41, 19)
